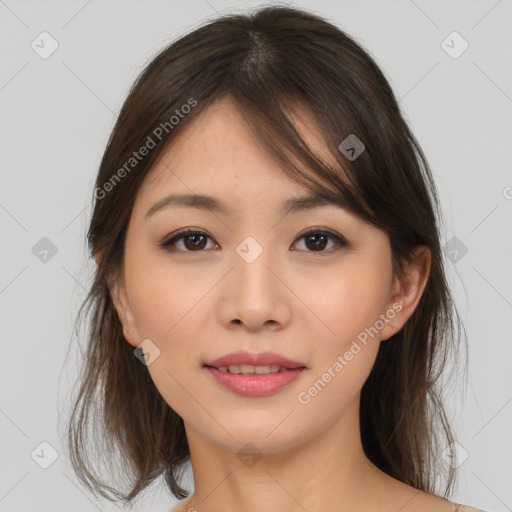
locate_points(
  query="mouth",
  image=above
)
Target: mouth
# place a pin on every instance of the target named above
(254, 374)
(249, 369)
(258, 363)
(254, 381)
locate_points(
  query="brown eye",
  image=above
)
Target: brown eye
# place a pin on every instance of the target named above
(196, 241)
(317, 240)
(193, 241)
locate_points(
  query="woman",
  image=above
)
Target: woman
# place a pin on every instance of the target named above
(270, 300)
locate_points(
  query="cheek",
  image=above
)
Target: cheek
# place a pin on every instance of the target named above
(345, 352)
(347, 301)
(347, 341)
(167, 308)
(165, 298)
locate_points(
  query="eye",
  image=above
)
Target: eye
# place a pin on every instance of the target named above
(317, 239)
(194, 240)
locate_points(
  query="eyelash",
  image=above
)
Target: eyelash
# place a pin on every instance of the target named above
(167, 244)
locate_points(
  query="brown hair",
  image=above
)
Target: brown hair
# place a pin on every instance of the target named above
(267, 62)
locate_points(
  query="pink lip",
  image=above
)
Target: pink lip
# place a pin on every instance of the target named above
(261, 359)
(255, 385)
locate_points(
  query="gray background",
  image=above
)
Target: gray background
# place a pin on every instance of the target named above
(56, 115)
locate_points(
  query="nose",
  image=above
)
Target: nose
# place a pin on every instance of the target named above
(254, 294)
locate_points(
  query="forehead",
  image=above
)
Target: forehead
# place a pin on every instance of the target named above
(218, 152)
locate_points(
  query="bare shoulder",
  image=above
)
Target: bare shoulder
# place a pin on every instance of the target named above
(436, 504)
(426, 502)
(397, 495)
(409, 499)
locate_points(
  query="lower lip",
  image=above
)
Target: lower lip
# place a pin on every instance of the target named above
(255, 385)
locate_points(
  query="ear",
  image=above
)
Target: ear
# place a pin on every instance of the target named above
(125, 313)
(407, 292)
(122, 305)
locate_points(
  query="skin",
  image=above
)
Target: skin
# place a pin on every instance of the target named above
(309, 306)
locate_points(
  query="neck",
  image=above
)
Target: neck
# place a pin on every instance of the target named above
(327, 472)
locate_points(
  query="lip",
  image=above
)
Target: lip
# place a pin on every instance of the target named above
(255, 384)
(259, 359)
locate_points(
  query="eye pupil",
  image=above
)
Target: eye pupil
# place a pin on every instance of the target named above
(195, 244)
(316, 238)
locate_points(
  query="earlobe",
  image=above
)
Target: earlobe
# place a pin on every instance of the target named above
(124, 312)
(98, 258)
(407, 291)
(119, 299)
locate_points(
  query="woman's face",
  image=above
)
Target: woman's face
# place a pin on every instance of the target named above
(250, 281)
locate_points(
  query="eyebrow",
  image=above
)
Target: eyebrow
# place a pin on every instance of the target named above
(205, 202)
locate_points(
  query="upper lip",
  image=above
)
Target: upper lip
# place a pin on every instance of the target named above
(260, 359)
